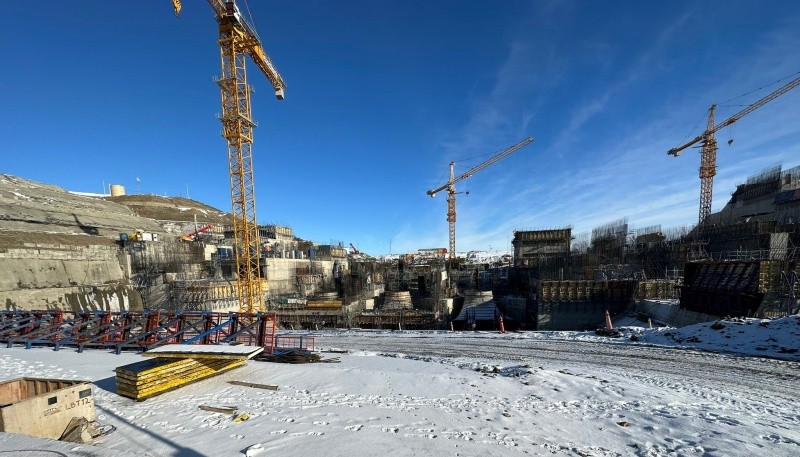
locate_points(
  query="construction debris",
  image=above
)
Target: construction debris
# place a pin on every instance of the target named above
(220, 409)
(78, 431)
(294, 356)
(242, 417)
(254, 385)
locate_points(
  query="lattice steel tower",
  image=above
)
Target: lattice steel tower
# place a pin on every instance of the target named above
(237, 38)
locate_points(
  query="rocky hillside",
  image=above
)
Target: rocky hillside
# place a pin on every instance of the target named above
(29, 209)
(172, 209)
(60, 251)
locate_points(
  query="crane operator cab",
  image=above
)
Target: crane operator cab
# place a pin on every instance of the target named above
(232, 12)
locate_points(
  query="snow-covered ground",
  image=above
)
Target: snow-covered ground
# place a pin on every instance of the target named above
(464, 394)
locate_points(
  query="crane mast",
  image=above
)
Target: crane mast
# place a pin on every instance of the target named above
(708, 167)
(237, 39)
(451, 188)
(708, 151)
(451, 212)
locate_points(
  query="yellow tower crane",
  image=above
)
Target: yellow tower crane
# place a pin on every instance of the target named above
(451, 188)
(238, 38)
(708, 151)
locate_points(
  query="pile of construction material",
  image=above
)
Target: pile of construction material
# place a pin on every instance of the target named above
(294, 355)
(176, 365)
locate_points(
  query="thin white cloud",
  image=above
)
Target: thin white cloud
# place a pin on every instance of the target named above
(628, 172)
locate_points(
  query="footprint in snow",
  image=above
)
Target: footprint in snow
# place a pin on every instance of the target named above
(354, 428)
(320, 423)
(774, 438)
(429, 436)
(390, 429)
(277, 432)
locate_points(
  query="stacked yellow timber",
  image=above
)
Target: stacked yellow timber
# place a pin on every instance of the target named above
(174, 366)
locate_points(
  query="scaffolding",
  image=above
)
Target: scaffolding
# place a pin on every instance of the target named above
(765, 183)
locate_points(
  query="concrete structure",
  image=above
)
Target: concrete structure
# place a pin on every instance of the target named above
(330, 252)
(397, 300)
(569, 305)
(277, 241)
(60, 250)
(305, 277)
(772, 195)
(532, 245)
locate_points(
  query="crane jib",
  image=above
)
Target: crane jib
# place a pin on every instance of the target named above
(496, 158)
(708, 153)
(747, 110)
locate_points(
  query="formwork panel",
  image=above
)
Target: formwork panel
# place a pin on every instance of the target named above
(43, 407)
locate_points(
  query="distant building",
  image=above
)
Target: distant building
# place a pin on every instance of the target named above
(330, 252)
(276, 240)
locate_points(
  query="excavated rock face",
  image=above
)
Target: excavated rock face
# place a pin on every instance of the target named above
(60, 251)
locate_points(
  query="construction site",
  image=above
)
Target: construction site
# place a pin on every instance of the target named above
(137, 254)
(180, 290)
(67, 257)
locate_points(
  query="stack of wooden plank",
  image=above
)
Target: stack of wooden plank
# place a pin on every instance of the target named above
(174, 366)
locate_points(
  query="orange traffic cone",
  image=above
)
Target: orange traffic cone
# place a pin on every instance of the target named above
(608, 322)
(502, 326)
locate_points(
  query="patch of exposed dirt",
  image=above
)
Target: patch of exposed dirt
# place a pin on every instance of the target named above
(172, 208)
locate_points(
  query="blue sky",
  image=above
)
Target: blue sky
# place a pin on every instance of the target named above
(382, 95)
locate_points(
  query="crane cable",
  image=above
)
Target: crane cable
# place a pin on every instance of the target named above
(762, 87)
(693, 131)
(479, 156)
(251, 20)
(468, 159)
(726, 104)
